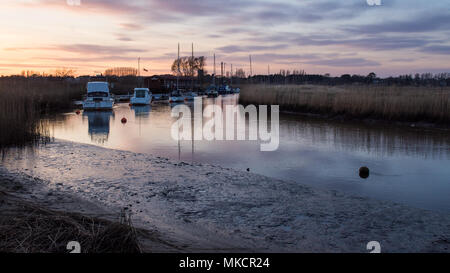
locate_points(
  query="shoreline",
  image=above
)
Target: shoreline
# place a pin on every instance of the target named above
(23, 196)
(206, 208)
(369, 121)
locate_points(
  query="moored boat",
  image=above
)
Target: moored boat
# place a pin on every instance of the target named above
(211, 92)
(188, 96)
(98, 97)
(176, 96)
(142, 96)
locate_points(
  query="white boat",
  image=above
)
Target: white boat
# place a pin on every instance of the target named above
(212, 92)
(160, 97)
(98, 97)
(176, 96)
(142, 96)
(188, 96)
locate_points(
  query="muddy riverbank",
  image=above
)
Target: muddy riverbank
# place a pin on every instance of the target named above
(200, 207)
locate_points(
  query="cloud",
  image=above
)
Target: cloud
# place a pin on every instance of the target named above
(250, 48)
(87, 49)
(437, 49)
(131, 26)
(98, 49)
(347, 62)
(415, 24)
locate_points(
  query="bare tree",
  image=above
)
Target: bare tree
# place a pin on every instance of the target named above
(189, 66)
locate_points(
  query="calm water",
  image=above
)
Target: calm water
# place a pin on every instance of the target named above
(408, 165)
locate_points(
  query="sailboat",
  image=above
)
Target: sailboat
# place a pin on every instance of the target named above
(176, 95)
(211, 92)
(190, 95)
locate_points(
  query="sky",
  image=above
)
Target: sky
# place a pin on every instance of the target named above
(317, 36)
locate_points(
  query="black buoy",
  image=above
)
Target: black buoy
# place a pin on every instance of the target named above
(248, 169)
(364, 172)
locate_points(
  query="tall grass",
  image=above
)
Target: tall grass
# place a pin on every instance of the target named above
(23, 101)
(391, 103)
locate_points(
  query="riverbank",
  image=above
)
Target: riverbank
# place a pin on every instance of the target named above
(205, 208)
(427, 107)
(37, 219)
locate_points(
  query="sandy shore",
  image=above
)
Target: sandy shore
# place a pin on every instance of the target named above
(205, 208)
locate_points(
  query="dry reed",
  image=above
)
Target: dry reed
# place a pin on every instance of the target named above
(22, 103)
(28, 228)
(391, 103)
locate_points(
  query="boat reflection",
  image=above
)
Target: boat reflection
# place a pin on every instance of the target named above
(142, 111)
(98, 125)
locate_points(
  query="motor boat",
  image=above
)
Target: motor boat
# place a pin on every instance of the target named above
(176, 96)
(142, 96)
(98, 97)
(188, 96)
(211, 92)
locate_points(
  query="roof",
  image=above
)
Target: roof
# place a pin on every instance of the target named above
(97, 87)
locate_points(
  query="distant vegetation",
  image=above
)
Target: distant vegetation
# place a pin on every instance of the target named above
(393, 103)
(121, 72)
(23, 101)
(300, 77)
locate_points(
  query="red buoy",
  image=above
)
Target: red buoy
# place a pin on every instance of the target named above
(123, 120)
(77, 112)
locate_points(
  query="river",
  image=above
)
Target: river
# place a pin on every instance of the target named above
(407, 165)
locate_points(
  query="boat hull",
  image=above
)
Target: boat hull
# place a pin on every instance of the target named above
(98, 105)
(141, 101)
(176, 99)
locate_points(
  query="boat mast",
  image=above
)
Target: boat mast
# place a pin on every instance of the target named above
(221, 73)
(178, 64)
(231, 81)
(192, 68)
(251, 68)
(214, 77)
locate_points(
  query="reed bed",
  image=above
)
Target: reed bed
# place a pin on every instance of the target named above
(23, 101)
(28, 228)
(392, 103)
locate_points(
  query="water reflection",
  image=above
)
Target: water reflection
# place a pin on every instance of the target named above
(374, 139)
(98, 125)
(407, 165)
(141, 111)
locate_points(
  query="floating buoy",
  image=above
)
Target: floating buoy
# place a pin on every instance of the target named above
(364, 172)
(123, 120)
(77, 112)
(248, 169)
(130, 104)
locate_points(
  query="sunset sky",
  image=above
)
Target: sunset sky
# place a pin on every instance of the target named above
(319, 36)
